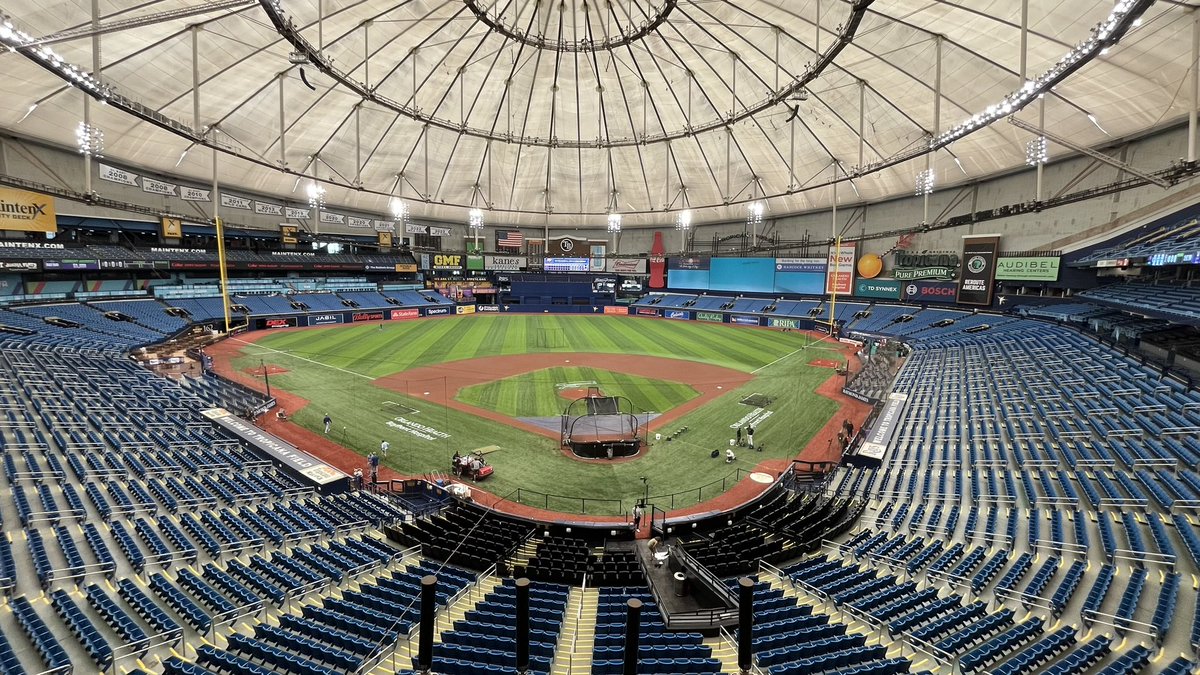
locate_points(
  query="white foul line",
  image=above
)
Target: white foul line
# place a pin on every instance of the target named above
(302, 358)
(822, 339)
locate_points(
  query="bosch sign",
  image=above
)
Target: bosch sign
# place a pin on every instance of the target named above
(929, 291)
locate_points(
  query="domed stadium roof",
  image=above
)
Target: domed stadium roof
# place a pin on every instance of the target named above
(576, 108)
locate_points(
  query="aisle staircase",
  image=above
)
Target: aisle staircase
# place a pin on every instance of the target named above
(573, 656)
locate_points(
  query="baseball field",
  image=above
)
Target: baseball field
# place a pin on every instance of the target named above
(436, 386)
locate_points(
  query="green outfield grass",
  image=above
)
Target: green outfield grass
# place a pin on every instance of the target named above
(537, 394)
(335, 368)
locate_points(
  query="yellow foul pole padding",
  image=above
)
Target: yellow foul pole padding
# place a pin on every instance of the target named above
(224, 273)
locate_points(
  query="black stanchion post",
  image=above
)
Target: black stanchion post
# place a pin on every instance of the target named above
(428, 609)
(522, 625)
(745, 624)
(632, 626)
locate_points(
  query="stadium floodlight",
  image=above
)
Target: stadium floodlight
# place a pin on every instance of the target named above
(316, 195)
(90, 140)
(754, 213)
(925, 182)
(614, 223)
(683, 220)
(475, 220)
(399, 209)
(1035, 151)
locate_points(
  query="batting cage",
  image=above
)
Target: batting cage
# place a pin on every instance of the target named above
(597, 426)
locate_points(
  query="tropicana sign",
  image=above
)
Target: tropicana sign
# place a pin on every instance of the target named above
(924, 265)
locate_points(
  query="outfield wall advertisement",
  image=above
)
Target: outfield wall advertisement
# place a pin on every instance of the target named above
(616, 309)
(398, 314)
(839, 276)
(929, 291)
(680, 314)
(711, 317)
(977, 276)
(324, 319)
(1027, 268)
(744, 320)
(884, 289)
(437, 311)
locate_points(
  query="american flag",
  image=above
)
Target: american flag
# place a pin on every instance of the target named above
(509, 239)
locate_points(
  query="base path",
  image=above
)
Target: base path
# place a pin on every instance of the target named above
(441, 383)
(819, 449)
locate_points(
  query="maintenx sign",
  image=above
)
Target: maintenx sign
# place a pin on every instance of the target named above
(884, 289)
(26, 211)
(978, 277)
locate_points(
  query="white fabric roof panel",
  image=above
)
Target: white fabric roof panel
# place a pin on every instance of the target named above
(593, 119)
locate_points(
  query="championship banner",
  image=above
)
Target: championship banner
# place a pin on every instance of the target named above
(295, 213)
(265, 209)
(385, 239)
(172, 228)
(977, 277)
(360, 223)
(114, 175)
(379, 225)
(235, 202)
(287, 234)
(158, 187)
(332, 218)
(191, 194)
(839, 277)
(1028, 268)
(439, 231)
(26, 211)
(413, 228)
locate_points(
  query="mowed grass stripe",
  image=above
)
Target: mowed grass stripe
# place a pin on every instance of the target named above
(536, 394)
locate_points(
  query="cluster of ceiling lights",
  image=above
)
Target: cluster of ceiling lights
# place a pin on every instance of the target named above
(754, 213)
(316, 195)
(475, 220)
(1035, 151)
(683, 220)
(614, 223)
(925, 180)
(16, 39)
(399, 209)
(90, 140)
(1103, 35)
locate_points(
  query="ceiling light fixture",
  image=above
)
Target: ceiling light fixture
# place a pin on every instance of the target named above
(683, 220)
(614, 223)
(1035, 151)
(925, 182)
(316, 195)
(475, 220)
